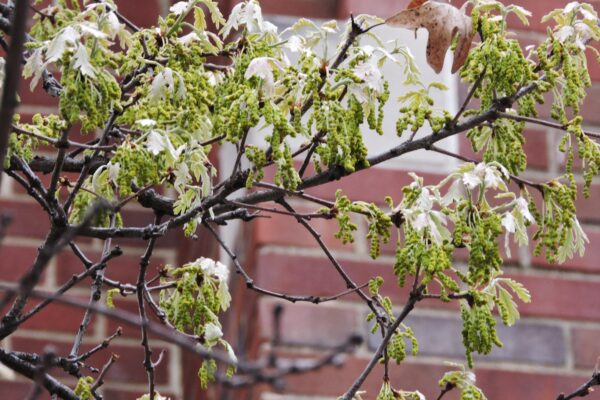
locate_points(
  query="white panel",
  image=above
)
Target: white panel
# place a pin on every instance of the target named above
(417, 161)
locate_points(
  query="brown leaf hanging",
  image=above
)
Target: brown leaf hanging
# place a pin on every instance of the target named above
(444, 22)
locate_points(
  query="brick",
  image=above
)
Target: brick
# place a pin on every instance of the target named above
(127, 369)
(563, 298)
(526, 342)
(145, 16)
(586, 348)
(571, 299)
(16, 390)
(536, 148)
(587, 209)
(518, 384)
(29, 219)
(588, 111)
(311, 275)
(309, 324)
(58, 317)
(129, 305)
(124, 268)
(18, 260)
(284, 230)
(496, 384)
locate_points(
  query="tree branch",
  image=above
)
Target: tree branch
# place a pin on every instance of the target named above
(12, 75)
(26, 369)
(584, 389)
(408, 307)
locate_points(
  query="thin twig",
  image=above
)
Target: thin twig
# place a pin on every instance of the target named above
(408, 307)
(250, 282)
(297, 193)
(469, 96)
(100, 379)
(449, 386)
(283, 368)
(57, 238)
(141, 286)
(88, 162)
(543, 122)
(307, 216)
(69, 143)
(520, 181)
(584, 389)
(381, 317)
(28, 370)
(95, 295)
(72, 282)
(133, 27)
(105, 343)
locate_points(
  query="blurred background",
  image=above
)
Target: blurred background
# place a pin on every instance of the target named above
(552, 349)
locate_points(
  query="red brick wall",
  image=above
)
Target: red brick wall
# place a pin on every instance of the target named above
(552, 349)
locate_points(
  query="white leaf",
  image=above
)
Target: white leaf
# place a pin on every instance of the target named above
(564, 33)
(88, 29)
(453, 194)
(146, 122)
(34, 67)
(162, 86)
(523, 208)
(113, 172)
(155, 143)
(179, 7)
(212, 332)
(231, 353)
(588, 15)
(508, 222)
(492, 180)
(262, 67)
(182, 176)
(250, 15)
(471, 180)
(224, 296)
(82, 62)
(233, 21)
(420, 222)
(113, 24)
(371, 75)
(269, 27)
(295, 44)
(221, 271)
(189, 38)
(253, 17)
(58, 45)
(571, 6)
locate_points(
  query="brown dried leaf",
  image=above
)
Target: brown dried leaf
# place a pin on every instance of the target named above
(415, 4)
(444, 22)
